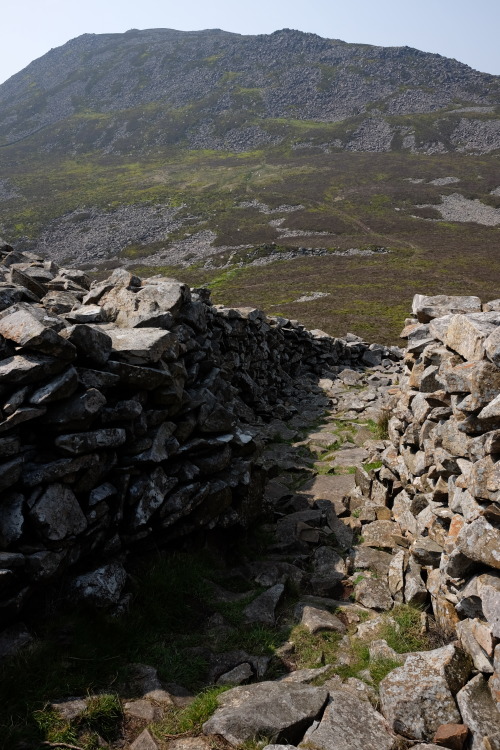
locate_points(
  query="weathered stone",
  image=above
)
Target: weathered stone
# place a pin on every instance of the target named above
(25, 329)
(236, 676)
(306, 676)
(395, 577)
(349, 723)
(465, 632)
(374, 594)
(262, 608)
(101, 587)
(141, 347)
(139, 377)
(11, 519)
(367, 558)
(10, 471)
(144, 741)
(480, 714)
(70, 709)
(275, 709)
(148, 493)
(466, 334)
(63, 386)
(418, 697)
(415, 592)
(316, 620)
(142, 709)
(57, 513)
(29, 368)
(427, 308)
(384, 534)
(452, 736)
(90, 342)
(328, 569)
(85, 442)
(480, 541)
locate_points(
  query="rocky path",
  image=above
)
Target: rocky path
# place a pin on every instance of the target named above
(327, 582)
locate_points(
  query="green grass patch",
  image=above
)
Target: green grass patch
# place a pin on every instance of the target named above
(189, 719)
(408, 635)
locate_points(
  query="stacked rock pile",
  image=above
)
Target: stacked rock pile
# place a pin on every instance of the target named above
(133, 410)
(441, 480)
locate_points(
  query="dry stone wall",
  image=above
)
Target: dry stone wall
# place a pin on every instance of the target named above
(132, 412)
(441, 477)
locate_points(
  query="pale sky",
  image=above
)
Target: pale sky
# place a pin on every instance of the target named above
(467, 30)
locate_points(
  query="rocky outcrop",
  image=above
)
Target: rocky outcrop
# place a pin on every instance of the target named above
(133, 412)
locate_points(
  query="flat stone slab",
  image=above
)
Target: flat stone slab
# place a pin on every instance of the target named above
(350, 457)
(273, 709)
(333, 488)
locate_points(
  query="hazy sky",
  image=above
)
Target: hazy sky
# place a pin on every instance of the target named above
(467, 30)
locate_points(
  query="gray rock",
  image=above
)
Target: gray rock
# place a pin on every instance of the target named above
(140, 347)
(466, 635)
(236, 676)
(382, 534)
(57, 513)
(349, 723)
(29, 368)
(328, 569)
(144, 741)
(262, 608)
(316, 620)
(70, 709)
(480, 714)
(11, 518)
(306, 676)
(24, 329)
(63, 386)
(101, 587)
(373, 593)
(90, 342)
(419, 696)
(273, 709)
(85, 442)
(428, 308)
(480, 541)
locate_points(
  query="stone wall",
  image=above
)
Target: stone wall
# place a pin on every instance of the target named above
(132, 412)
(442, 472)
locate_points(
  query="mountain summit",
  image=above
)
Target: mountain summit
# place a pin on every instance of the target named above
(219, 90)
(319, 180)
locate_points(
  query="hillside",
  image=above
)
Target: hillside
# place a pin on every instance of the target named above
(208, 155)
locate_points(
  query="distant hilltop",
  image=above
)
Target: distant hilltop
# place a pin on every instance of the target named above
(218, 90)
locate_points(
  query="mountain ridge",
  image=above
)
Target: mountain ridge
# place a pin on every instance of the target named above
(281, 75)
(211, 155)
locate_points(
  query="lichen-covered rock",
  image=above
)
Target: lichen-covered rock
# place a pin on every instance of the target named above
(419, 696)
(480, 714)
